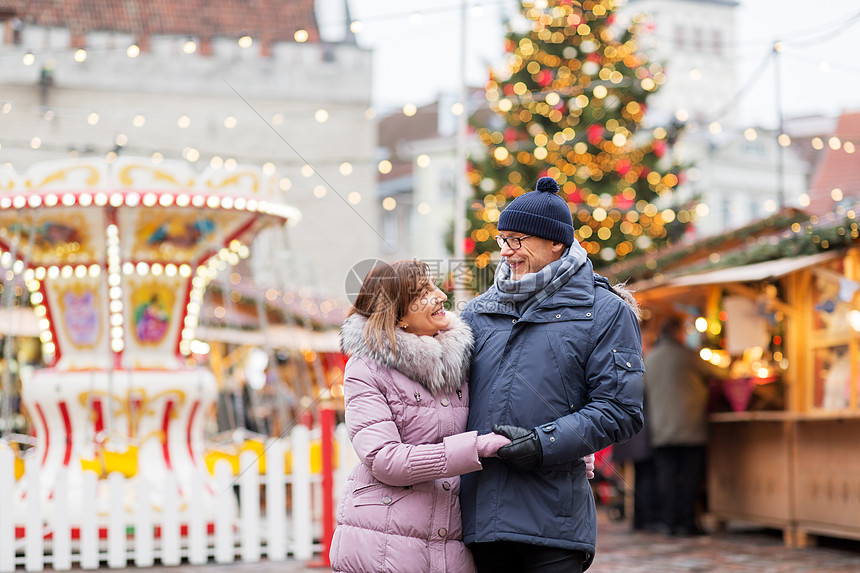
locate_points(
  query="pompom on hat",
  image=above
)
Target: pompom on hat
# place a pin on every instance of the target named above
(541, 213)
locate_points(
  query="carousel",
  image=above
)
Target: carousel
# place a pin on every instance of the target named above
(116, 257)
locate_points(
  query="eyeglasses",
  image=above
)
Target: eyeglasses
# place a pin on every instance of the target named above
(512, 243)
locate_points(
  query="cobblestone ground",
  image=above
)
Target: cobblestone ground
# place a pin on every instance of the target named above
(740, 550)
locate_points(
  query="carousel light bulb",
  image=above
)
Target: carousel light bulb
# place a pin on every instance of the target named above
(117, 345)
(51, 200)
(80, 55)
(198, 200)
(49, 348)
(132, 199)
(251, 205)
(53, 271)
(157, 269)
(45, 324)
(183, 200)
(149, 199)
(127, 268)
(95, 271)
(701, 324)
(29, 278)
(36, 298)
(138, 121)
(132, 51)
(115, 293)
(46, 336)
(40, 273)
(29, 59)
(115, 306)
(40, 310)
(226, 202)
(230, 164)
(170, 270)
(116, 199)
(142, 268)
(116, 320)
(67, 271)
(240, 203)
(166, 200)
(81, 271)
(19, 202)
(184, 270)
(100, 199)
(213, 202)
(230, 122)
(85, 199)
(34, 201)
(5, 202)
(114, 280)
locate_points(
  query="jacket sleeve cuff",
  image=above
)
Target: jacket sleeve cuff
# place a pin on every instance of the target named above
(461, 453)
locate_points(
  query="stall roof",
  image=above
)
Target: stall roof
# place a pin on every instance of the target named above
(748, 273)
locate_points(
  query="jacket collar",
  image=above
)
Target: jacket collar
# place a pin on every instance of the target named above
(440, 363)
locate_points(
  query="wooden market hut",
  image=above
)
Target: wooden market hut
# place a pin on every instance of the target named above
(781, 300)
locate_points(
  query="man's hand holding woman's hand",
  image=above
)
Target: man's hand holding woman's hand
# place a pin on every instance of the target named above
(489, 444)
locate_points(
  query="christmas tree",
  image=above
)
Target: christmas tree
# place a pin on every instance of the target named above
(569, 106)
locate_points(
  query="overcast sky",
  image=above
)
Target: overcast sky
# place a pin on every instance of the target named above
(418, 57)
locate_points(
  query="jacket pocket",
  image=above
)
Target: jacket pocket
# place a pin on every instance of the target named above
(629, 369)
(378, 494)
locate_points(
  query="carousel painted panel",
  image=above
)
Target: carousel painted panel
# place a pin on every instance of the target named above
(155, 307)
(78, 321)
(181, 235)
(60, 236)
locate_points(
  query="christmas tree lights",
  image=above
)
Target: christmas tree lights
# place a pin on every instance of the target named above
(570, 106)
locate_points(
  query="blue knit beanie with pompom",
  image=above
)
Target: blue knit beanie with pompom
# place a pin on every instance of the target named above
(541, 213)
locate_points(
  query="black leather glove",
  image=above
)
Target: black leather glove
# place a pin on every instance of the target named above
(524, 453)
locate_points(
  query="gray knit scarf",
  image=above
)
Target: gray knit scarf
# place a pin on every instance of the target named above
(541, 284)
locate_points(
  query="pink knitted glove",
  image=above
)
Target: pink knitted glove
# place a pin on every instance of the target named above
(589, 466)
(489, 444)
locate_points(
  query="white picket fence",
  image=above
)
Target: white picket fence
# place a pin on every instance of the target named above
(263, 526)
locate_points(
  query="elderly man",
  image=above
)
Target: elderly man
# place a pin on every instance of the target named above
(558, 369)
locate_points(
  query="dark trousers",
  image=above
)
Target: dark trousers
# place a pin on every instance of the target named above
(680, 475)
(646, 501)
(513, 557)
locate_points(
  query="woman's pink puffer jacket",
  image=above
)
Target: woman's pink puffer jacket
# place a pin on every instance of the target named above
(406, 414)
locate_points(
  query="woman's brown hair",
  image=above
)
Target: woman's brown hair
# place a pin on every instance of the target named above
(385, 296)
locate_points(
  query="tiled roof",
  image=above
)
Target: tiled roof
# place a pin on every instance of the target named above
(264, 20)
(837, 169)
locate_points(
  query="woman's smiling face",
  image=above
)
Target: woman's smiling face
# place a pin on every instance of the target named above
(426, 315)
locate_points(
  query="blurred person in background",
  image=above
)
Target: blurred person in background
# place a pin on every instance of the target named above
(677, 394)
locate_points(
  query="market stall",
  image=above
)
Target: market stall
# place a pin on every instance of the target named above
(783, 451)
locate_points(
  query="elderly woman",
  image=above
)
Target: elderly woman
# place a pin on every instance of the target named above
(407, 398)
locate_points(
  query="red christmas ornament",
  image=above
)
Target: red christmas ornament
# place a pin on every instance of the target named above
(544, 78)
(468, 245)
(622, 167)
(509, 90)
(594, 133)
(623, 202)
(659, 148)
(510, 135)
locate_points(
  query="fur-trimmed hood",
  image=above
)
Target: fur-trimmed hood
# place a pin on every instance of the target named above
(440, 363)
